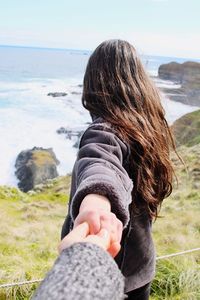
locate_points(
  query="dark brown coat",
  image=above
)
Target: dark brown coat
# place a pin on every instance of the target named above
(102, 167)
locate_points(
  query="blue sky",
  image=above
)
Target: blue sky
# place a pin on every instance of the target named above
(162, 27)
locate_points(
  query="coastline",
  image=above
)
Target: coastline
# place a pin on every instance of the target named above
(44, 132)
(30, 118)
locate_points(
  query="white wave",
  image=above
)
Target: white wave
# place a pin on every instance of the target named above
(166, 84)
(30, 118)
(153, 73)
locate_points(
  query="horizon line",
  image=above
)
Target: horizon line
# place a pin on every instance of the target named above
(44, 48)
(87, 50)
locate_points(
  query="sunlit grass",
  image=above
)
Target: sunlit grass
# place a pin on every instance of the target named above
(30, 231)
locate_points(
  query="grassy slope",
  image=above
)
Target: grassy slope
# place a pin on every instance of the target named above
(187, 129)
(179, 229)
(30, 231)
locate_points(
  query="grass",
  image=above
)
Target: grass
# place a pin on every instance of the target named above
(30, 232)
(31, 223)
(178, 229)
(186, 129)
(42, 157)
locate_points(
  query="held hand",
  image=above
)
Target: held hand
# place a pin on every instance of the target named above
(98, 220)
(92, 217)
(80, 234)
(96, 211)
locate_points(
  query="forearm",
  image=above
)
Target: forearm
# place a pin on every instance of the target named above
(82, 271)
(102, 183)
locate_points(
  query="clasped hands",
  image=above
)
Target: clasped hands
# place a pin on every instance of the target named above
(96, 224)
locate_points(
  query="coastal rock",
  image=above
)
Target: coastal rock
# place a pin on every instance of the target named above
(35, 166)
(76, 93)
(70, 132)
(172, 71)
(57, 94)
(187, 75)
(181, 73)
(77, 143)
(73, 133)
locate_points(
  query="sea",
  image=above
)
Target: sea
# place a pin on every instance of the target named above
(30, 118)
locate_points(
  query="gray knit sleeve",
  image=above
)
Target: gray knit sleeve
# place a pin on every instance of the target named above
(99, 169)
(83, 271)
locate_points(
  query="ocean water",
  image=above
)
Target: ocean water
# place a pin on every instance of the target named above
(28, 117)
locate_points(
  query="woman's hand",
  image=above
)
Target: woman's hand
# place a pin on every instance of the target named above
(81, 234)
(95, 210)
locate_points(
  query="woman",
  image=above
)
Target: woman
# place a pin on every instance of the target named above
(123, 167)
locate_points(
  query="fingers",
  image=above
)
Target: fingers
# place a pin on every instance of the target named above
(81, 233)
(113, 225)
(102, 239)
(92, 218)
(99, 227)
(75, 236)
(119, 229)
(114, 249)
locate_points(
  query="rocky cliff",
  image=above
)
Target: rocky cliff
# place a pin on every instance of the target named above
(188, 76)
(34, 167)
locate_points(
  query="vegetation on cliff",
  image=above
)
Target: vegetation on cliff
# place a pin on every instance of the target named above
(187, 129)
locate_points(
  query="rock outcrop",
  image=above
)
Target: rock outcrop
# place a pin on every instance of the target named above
(74, 133)
(188, 76)
(57, 94)
(34, 167)
(172, 71)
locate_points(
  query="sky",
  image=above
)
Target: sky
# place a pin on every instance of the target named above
(154, 27)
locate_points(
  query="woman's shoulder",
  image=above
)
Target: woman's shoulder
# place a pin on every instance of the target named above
(103, 133)
(101, 129)
(101, 123)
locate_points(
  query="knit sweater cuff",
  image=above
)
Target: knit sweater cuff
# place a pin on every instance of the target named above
(82, 271)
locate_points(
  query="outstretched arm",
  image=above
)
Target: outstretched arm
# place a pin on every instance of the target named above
(99, 170)
(83, 270)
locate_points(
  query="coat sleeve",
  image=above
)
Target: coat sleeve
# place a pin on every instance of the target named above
(99, 170)
(82, 271)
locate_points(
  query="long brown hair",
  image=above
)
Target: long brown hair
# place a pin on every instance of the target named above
(117, 88)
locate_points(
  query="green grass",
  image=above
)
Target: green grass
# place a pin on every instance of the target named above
(30, 231)
(178, 229)
(187, 129)
(31, 223)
